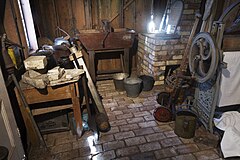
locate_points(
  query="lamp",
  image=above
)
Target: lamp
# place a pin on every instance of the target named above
(151, 24)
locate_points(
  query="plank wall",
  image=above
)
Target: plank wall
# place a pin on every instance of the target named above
(74, 15)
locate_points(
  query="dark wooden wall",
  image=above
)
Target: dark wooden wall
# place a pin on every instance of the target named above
(70, 15)
(87, 14)
(75, 15)
(12, 20)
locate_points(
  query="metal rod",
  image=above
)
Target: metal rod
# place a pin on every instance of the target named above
(104, 39)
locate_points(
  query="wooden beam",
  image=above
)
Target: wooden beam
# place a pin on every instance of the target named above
(125, 6)
(231, 43)
(50, 109)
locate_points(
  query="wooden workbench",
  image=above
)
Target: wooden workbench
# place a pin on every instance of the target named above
(96, 42)
(49, 94)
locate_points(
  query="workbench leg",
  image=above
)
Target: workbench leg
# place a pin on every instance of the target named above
(126, 60)
(92, 67)
(76, 108)
(85, 91)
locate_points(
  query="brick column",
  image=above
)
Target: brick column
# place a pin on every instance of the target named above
(155, 52)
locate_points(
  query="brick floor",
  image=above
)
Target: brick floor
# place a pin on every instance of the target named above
(134, 134)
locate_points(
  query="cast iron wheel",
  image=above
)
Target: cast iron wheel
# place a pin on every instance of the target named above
(162, 114)
(203, 58)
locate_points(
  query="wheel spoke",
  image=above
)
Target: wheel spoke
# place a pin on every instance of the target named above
(203, 58)
(201, 69)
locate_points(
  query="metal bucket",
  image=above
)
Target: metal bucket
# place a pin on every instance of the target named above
(148, 82)
(118, 81)
(133, 86)
(3, 153)
(185, 124)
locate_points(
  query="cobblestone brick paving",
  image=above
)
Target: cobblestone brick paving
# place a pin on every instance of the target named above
(134, 134)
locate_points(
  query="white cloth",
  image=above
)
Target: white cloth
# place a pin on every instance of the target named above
(230, 80)
(230, 123)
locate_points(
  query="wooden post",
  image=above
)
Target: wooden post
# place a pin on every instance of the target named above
(126, 60)
(121, 18)
(57, 17)
(76, 108)
(88, 13)
(92, 66)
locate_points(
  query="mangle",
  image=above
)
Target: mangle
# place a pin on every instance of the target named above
(206, 64)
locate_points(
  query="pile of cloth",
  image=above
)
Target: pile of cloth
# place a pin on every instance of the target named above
(229, 122)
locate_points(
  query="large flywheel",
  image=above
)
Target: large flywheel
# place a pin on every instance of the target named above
(203, 57)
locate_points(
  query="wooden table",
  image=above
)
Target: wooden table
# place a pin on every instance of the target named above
(94, 41)
(50, 94)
